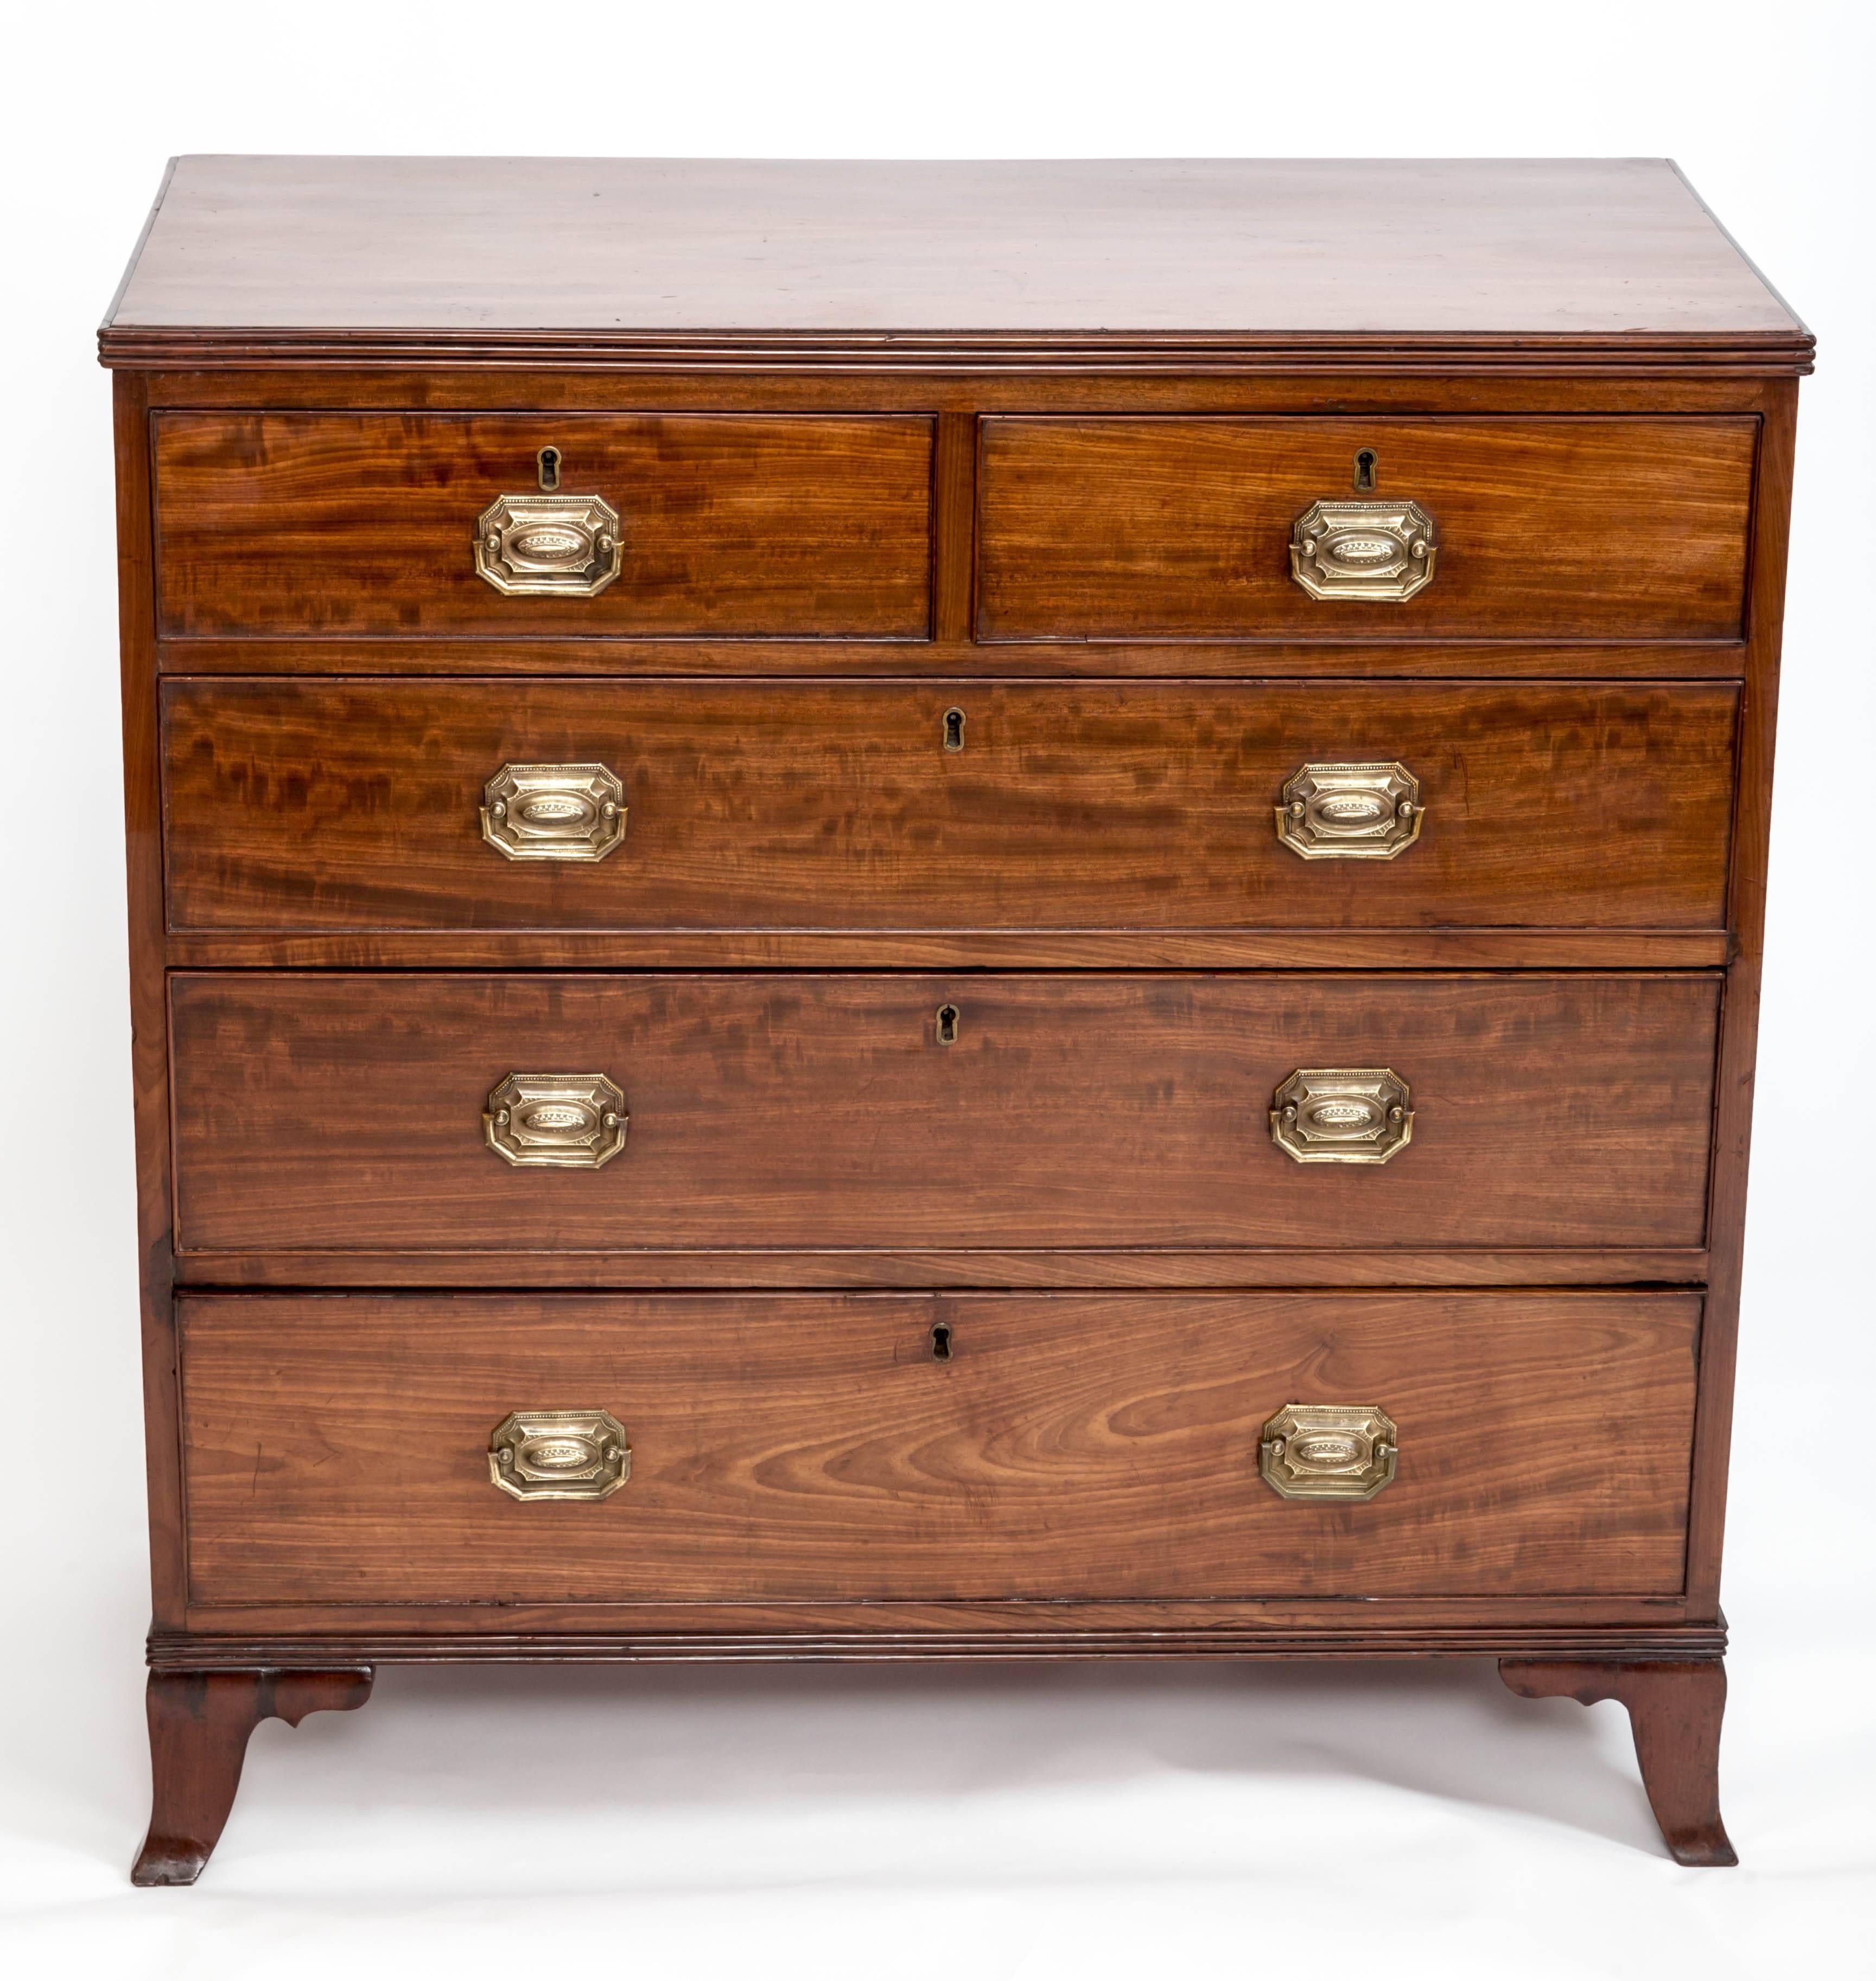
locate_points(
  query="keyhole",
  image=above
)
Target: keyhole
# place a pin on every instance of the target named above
(549, 459)
(948, 1024)
(1367, 460)
(954, 729)
(941, 1341)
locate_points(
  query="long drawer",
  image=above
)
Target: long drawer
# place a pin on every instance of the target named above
(358, 1112)
(714, 524)
(1588, 527)
(307, 806)
(337, 1450)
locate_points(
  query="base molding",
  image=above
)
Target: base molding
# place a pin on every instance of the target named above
(179, 1651)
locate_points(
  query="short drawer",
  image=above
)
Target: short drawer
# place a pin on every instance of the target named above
(1580, 528)
(721, 525)
(303, 806)
(337, 1450)
(358, 1112)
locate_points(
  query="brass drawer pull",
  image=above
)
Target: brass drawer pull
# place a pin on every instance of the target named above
(556, 1120)
(559, 1454)
(1377, 551)
(548, 546)
(1350, 812)
(1342, 1114)
(1328, 1451)
(554, 812)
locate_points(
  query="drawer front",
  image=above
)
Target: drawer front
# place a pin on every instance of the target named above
(369, 523)
(1582, 528)
(336, 1450)
(302, 806)
(346, 1112)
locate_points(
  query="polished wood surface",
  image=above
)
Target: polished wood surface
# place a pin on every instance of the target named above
(1251, 658)
(199, 1725)
(1092, 1445)
(1456, 948)
(1735, 1073)
(327, 524)
(863, 1267)
(1674, 1711)
(594, 1633)
(299, 806)
(344, 1112)
(1497, 252)
(1180, 529)
(149, 1044)
(1043, 469)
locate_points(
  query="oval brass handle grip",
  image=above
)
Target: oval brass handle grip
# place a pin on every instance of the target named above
(1328, 1451)
(1350, 812)
(559, 1454)
(1342, 1114)
(548, 546)
(1376, 551)
(554, 812)
(555, 1120)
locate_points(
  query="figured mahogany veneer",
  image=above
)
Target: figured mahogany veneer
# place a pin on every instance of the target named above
(362, 524)
(331, 1110)
(1180, 529)
(1028, 440)
(1091, 1446)
(302, 805)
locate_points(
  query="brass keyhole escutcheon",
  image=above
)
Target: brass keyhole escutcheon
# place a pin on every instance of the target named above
(948, 1017)
(548, 461)
(941, 1341)
(1367, 461)
(954, 729)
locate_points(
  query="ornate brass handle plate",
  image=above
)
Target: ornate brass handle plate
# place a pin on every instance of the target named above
(556, 1120)
(1375, 550)
(548, 546)
(1342, 1114)
(554, 812)
(1328, 1451)
(559, 1454)
(1350, 812)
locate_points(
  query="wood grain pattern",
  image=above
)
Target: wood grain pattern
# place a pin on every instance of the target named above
(1455, 948)
(364, 524)
(200, 1721)
(293, 805)
(1674, 1710)
(1028, 437)
(1737, 1068)
(1370, 658)
(1022, 1631)
(343, 1113)
(1502, 251)
(149, 1056)
(1637, 1625)
(1093, 1446)
(1398, 376)
(1180, 529)
(758, 1268)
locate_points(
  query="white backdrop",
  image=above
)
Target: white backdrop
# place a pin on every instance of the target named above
(834, 1821)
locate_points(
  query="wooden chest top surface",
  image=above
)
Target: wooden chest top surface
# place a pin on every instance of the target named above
(1492, 253)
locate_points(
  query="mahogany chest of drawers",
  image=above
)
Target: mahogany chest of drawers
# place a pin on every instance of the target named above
(942, 911)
